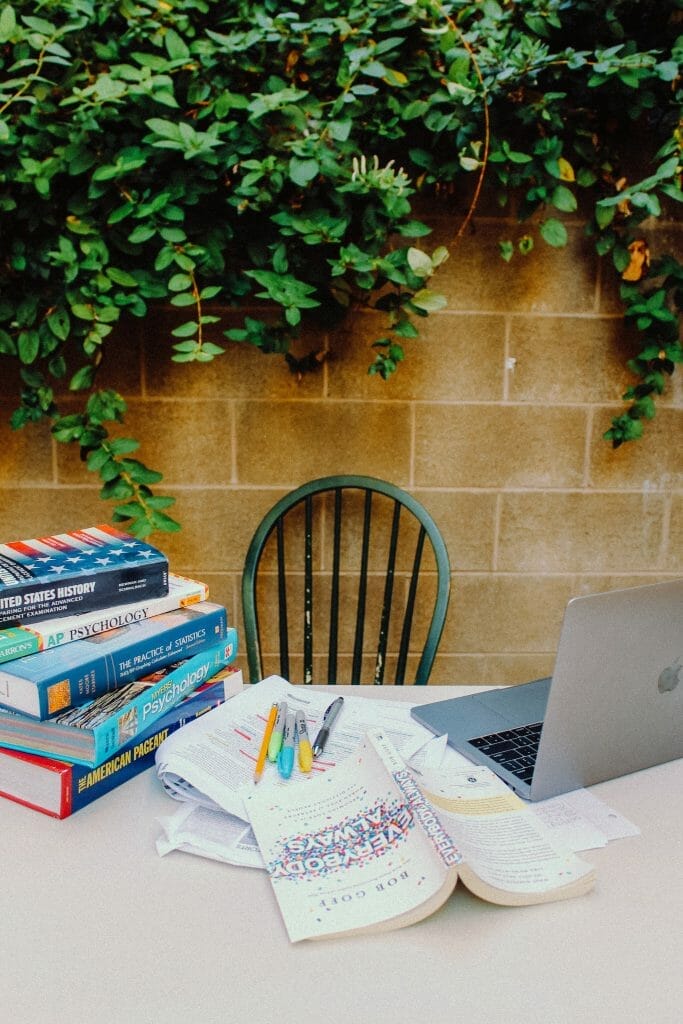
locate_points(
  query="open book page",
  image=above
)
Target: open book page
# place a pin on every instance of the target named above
(354, 849)
(216, 754)
(510, 856)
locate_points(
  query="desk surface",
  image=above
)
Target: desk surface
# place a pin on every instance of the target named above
(95, 926)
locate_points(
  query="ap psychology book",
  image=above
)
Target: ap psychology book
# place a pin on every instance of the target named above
(44, 684)
(364, 848)
(70, 573)
(90, 733)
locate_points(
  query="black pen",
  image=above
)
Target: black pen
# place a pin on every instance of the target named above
(328, 721)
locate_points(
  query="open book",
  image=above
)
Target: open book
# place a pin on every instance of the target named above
(363, 848)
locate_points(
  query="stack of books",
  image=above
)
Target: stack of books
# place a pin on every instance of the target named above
(103, 653)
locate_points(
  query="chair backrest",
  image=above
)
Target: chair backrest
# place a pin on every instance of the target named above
(333, 561)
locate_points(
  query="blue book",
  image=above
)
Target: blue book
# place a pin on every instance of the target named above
(93, 732)
(45, 684)
(81, 571)
(60, 788)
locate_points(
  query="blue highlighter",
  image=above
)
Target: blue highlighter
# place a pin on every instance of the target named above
(285, 759)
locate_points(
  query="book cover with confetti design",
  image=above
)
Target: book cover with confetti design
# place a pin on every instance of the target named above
(366, 848)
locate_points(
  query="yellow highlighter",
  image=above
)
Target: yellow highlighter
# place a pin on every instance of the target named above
(303, 742)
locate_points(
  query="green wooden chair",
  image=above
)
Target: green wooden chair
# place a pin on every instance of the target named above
(333, 561)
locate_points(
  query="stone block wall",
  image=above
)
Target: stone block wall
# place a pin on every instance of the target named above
(494, 422)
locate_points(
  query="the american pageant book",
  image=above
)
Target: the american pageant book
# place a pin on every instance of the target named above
(70, 573)
(45, 684)
(20, 641)
(92, 732)
(365, 848)
(60, 788)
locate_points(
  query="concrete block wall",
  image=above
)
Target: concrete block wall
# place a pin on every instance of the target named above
(494, 422)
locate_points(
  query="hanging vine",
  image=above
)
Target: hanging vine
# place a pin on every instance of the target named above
(196, 152)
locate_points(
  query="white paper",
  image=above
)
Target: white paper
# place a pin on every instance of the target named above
(583, 822)
(210, 832)
(216, 753)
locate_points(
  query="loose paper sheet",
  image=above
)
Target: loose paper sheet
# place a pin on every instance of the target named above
(216, 753)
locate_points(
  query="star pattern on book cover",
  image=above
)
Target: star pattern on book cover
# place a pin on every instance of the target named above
(88, 561)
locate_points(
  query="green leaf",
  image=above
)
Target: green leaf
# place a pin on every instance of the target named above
(180, 283)
(186, 330)
(604, 215)
(83, 312)
(175, 46)
(563, 199)
(121, 277)
(117, 489)
(7, 345)
(59, 323)
(302, 172)
(8, 24)
(142, 233)
(553, 232)
(28, 346)
(124, 445)
(419, 262)
(83, 378)
(429, 301)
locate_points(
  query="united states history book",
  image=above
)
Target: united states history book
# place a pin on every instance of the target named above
(363, 848)
(20, 641)
(92, 732)
(60, 788)
(44, 684)
(70, 573)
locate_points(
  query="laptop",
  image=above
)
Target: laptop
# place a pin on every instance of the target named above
(613, 705)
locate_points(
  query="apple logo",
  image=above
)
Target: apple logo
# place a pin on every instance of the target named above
(669, 677)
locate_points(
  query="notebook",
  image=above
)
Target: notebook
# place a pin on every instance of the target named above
(613, 705)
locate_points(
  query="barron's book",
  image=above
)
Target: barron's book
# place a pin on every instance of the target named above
(91, 733)
(60, 788)
(43, 685)
(70, 573)
(21, 641)
(365, 848)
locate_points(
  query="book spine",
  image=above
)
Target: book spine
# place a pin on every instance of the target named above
(20, 641)
(149, 706)
(422, 811)
(77, 572)
(69, 685)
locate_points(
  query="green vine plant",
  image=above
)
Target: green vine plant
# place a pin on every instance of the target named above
(208, 155)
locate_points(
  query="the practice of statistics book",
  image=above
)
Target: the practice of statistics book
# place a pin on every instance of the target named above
(92, 732)
(45, 684)
(71, 573)
(362, 848)
(60, 788)
(20, 641)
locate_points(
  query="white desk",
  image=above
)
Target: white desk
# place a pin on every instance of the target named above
(96, 927)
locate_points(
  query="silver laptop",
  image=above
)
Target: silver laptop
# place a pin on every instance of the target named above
(614, 703)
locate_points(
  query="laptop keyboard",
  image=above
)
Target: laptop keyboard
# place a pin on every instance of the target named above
(513, 749)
